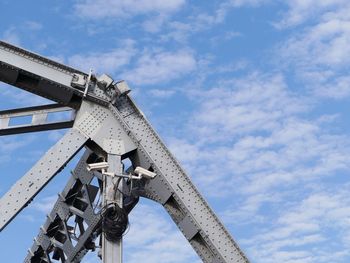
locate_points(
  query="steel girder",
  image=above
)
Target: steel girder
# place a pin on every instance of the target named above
(25, 189)
(73, 225)
(39, 119)
(109, 123)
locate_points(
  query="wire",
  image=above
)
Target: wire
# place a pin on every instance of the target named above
(115, 222)
(116, 187)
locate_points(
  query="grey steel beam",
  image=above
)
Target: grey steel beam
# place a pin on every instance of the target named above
(37, 74)
(112, 252)
(25, 189)
(79, 202)
(44, 77)
(120, 130)
(39, 59)
(71, 227)
(99, 124)
(175, 191)
(39, 119)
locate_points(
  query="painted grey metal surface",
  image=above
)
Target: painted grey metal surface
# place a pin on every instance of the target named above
(39, 59)
(38, 119)
(35, 74)
(24, 190)
(110, 124)
(43, 77)
(212, 241)
(70, 229)
(112, 252)
(98, 123)
(77, 203)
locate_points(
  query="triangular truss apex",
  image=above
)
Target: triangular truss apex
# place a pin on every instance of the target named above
(91, 211)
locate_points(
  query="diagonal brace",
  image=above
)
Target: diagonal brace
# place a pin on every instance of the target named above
(26, 188)
(68, 207)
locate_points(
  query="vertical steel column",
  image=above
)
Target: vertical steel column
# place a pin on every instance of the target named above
(112, 252)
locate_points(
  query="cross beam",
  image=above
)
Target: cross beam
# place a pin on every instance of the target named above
(36, 119)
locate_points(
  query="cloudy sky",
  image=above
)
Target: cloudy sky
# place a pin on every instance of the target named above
(250, 95)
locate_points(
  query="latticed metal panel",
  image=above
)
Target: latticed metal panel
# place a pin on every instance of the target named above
(24, 190)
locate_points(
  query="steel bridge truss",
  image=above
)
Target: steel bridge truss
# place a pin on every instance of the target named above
(102, 119)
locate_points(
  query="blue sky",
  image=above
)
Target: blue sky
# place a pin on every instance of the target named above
(251, 96)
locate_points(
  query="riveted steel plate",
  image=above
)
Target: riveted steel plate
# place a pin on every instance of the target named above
(25, 189)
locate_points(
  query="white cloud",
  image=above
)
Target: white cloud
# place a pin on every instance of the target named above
(154, 24)
(157, 236)
(13, 33)
(100, 9)
(240, 3)
(319, 52)
(4, 159)
(45, 204)
(9, 145)
(107, 62)
(300, 11)
(256, 102)
(33, 25)
(55, 135)
(162, 93)
(254, 127)
(326, 43)
(228, 36)
(19, 97)
(161, 66)
(181, 30)
(255, 143)
(316, 222)
(11, 36)
(337, 88)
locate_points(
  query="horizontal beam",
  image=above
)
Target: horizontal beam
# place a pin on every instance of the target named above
(40, 75)
(37, 128)
(39, 58)
(36, 119)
